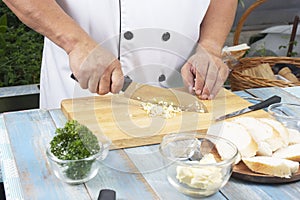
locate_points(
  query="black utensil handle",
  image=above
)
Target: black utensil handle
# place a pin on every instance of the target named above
(107, 194)
(73, 77)
(266, 103)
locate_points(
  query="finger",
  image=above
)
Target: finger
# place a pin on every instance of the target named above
(104, 85)
(188, 77)
(222, 76)
(210, 80)
(82, 79)
(199, 83)
(117, 78)
(82, 76)
(201, 74)
(105, 82)
(93, 83)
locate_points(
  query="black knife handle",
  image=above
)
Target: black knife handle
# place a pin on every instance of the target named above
(73, 77)
(266, 103)
(107, 194)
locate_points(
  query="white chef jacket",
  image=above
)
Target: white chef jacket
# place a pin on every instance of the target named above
(150, 37)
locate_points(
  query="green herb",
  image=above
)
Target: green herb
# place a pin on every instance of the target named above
(20, 51)
(73, 142)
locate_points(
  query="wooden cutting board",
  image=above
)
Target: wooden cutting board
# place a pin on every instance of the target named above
(128, 125)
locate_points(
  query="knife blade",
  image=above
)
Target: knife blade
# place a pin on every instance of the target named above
(152, 94)
(147, 93)
(261, 105)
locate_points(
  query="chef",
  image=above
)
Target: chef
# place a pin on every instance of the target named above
(168, 43)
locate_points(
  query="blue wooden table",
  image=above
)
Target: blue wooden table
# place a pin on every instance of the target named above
(135, 173)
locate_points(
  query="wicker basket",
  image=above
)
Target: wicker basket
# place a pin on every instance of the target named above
(240, 81)
(243, 18)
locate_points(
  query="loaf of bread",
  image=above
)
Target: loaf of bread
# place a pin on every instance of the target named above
(272, 166)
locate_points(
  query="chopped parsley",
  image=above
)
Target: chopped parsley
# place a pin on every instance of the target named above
(73, 142)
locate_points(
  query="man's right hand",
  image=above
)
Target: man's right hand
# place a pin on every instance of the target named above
(95, 68)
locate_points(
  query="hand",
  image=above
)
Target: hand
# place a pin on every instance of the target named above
(204, 74)
(95, 68)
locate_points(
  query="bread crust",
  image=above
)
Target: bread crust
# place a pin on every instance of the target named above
(291, 152)
(271, 166)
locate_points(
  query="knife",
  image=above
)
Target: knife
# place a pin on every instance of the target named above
(261, 105)
(147, 93)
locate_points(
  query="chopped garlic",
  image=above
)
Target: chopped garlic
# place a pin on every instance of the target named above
(162, 109)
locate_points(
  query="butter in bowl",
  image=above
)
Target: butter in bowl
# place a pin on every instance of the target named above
(194, 164)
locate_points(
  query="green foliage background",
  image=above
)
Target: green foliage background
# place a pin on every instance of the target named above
(20, 51)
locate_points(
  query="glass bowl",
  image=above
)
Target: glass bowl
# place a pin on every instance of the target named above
(194, 166)
(286, 113)
(78, 171)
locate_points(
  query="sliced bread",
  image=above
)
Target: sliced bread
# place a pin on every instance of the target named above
(280, 131)
(291, 152)
(238, 135)
(272, 166)
(267, 139)
(294, 136)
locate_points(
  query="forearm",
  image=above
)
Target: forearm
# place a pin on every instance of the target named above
(217, 24)
(47, 18)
